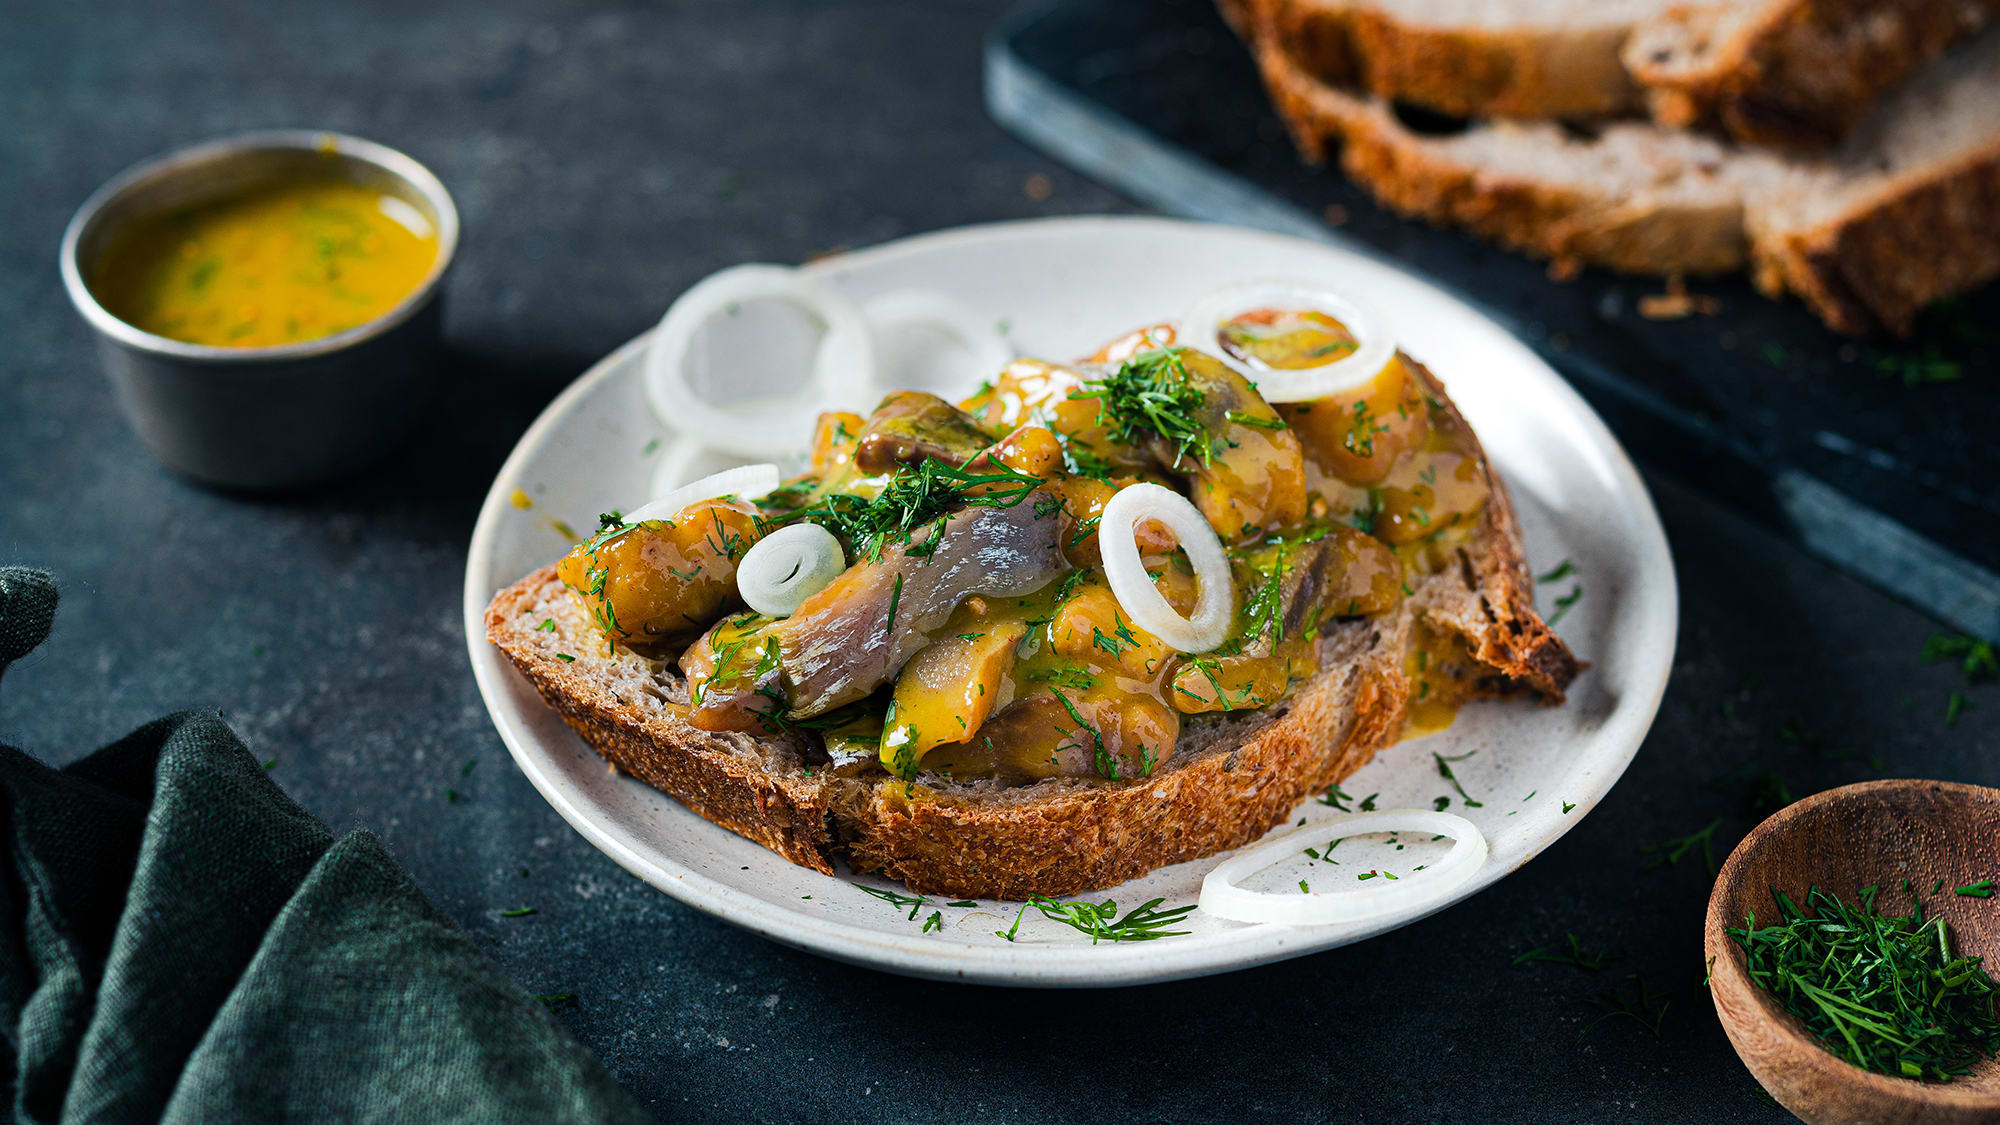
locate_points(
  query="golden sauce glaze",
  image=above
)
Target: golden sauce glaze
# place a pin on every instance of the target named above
(1327, 511)
(1284, 340)
(280, 263)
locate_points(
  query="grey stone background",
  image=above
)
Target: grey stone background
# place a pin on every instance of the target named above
(604, 157)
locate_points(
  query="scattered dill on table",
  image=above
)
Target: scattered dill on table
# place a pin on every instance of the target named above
(1671, 851)
(1570, 951)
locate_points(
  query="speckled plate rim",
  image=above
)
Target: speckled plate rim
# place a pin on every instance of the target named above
(1651, 591)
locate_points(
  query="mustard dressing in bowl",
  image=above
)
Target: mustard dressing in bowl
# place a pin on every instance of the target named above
(292, 260)
(268, 306)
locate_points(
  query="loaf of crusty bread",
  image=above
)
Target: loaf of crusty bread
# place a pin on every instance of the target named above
(1492, 58)
(1900, 214)
(1231, 778)
(1789, 73)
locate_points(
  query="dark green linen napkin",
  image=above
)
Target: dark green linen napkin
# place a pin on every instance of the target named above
(181, 942)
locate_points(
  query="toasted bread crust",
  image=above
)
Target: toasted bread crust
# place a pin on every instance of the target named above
(705, 772)
(1232, 778)
(1870, 269)
(1794, 74)
(1802, 73)
(1877, 266)
(1462, 71)
(1533, 216)
(1090, 838)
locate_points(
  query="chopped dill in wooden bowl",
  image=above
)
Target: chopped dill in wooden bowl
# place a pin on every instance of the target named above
(1884, 992)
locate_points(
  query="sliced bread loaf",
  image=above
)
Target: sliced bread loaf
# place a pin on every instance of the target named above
(1900, 214)
(1904, 212)
(1791, 72)
(1796, 73)
(1232, 777)
(1495, 58)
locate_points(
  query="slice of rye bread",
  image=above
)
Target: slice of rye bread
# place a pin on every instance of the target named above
(1906, 211)
(1791, 73)
(1492, 58)
(1897, 216)
(1230, 779)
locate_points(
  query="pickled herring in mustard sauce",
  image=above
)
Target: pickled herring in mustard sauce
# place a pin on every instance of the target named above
(980, 638)
(280, 263)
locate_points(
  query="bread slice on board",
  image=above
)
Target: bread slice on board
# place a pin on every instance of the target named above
(1232, 777)
(1900, 214)
(1792, 73)
(1906, 211)
(1495, 58)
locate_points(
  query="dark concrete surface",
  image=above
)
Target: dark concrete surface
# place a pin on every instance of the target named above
(604, 157)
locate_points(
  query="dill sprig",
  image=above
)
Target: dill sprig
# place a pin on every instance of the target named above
(915, 903)
(1648, 1008)
(1152, 394)
(1884, 992)
(1101, 921)
(1975, 658)
(911, 499)
(1671, 851)
(1569, 951)
(1444, 771)
(1264, 611)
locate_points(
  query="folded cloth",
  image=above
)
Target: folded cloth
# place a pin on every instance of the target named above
(181, 942)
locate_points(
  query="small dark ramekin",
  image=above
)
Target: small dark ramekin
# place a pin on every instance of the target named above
(267, 418)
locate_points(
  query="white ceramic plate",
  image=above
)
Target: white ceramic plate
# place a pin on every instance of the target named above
(1059, 288)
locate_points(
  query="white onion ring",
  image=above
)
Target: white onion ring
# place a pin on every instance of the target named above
(1201, 329)
(1138, 597)
(746, 480)
(911, 308)
(842, 368)
(1222, 897)
(677, 464)
(788, 566)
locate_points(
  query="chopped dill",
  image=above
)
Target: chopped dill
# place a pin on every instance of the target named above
(1444, 771)
(914, 497)
(1671, 851)
(1152, 394)
(914, 902)
(1100, 920)
(1884, 992)
(1569, 951)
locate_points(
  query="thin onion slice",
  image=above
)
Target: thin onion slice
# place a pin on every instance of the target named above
(981, 349)
(1138, 596)
(788, 566)
(1201, 328)
(745, 480)
(1223, 897)
(842, 368)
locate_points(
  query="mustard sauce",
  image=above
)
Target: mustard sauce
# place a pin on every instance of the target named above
(1287, 340)
(1438, 668)
(275, 264)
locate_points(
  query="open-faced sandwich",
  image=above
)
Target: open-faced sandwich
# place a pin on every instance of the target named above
(1087, 622)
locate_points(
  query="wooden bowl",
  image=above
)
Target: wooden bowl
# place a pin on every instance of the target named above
(1842, 840)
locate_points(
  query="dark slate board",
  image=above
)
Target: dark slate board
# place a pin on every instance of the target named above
(1759, 405)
